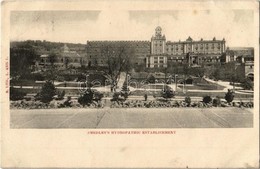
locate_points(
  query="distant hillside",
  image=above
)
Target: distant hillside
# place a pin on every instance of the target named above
(45, 47)
(23, 54)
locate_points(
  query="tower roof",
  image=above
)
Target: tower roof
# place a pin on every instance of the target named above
(158, 28)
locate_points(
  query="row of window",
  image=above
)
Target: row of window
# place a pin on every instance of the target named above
(156, 61)
(196, 48)
(201, 60)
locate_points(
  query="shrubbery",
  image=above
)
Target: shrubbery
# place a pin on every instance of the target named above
(86, 98)
(60, 95)
(47, 92)
(229, 96)
(207, 99)
(216, 102)
(167, 93)
(171, 104)
(247, 84)
(125, 92)
(66, 103)
(15, 94)
(188, 100)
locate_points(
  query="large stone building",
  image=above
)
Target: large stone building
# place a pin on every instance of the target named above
(158, 52)
(189, 51)
(97, 51)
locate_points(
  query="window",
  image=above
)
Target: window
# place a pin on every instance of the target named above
(161, 61)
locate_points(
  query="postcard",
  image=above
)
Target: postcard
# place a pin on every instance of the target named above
(130, 84)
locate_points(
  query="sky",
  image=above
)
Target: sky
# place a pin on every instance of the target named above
(236, 26)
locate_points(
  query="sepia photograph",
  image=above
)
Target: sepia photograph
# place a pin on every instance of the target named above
(130, 84)
(161, 72)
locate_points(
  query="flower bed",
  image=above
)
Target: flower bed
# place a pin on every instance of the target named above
(172, 104)
(23, 104)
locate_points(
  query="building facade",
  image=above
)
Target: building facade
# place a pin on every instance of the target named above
(97, 51)
(189, 51)
(64, 59)
(244, 57)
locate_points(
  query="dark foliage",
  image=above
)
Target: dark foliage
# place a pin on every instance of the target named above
(167, 93)
(151, 79)
(15, 94)
(68, 102)
(125, 92)
(86, 98)
(229, 96)
(60, 95)
(188, 100)
(47, 92)
(98, 96)
(207, 99)
(247, 84)
(216, 102)
(115, 96)
(21, 59)
(145, 97)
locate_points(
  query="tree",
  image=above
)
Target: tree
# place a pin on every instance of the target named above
(188, 100)
(216, 102)
(22, 57)
(66, 62)
(229, 96)
(60, 95)
(118, 59)
(86, 98)
(125, 92)
(151, 79)
(52, 58)
(47, 92)
(247, 84)
(207, 99)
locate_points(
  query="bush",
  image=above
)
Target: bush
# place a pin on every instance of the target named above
(86, 98)
(15, 94)
(145, 97)
(229, 96)
(247, 84)
(125, 92)
(47, 92)
(187, 100)
(61, 95)
(151, 79)
(98, 96)
(207, 99)
(67, 102)
(115, 96)
(167, 93)
(216, 101)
